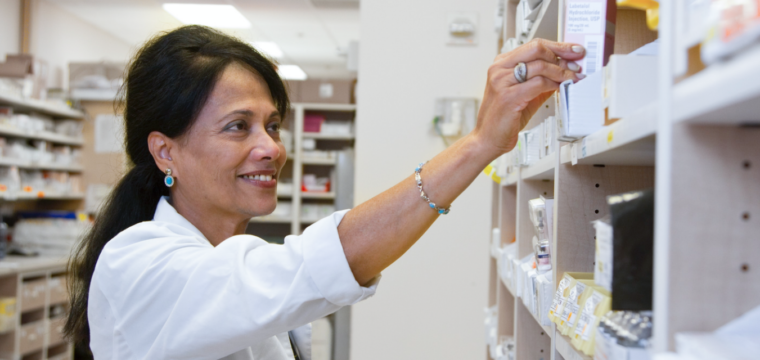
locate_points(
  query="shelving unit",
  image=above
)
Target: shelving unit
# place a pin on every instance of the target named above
(57, 112)
(702, 141)
(38, 283)
(341, 193)
(39, 286)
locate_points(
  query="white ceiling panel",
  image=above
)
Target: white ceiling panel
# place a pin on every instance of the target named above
(308, 36)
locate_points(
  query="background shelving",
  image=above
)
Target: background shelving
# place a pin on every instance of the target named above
(43, 107)
(704, 146)
(38, 284)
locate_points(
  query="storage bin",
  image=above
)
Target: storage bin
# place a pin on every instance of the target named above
(57, 288)
(31, 337)
(55, 331)
(33, 294)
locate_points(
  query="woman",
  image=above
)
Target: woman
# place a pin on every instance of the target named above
(167, 272)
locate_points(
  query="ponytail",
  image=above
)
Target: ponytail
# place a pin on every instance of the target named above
(132, 201)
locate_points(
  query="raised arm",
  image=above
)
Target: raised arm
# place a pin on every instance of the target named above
(377, 232)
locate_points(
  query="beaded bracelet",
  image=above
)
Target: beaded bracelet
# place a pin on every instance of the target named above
(418, 178)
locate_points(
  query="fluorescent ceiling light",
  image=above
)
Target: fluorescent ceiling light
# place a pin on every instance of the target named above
(291, 72)
(268, 48)
(221, 16)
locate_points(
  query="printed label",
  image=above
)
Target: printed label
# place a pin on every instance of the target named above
(586, 320)
(594, 51)
(558, 295)
(584, 18)
(571, 304)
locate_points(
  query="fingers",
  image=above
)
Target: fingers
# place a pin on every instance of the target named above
(541, 49)
(533, 88)
(566, 51)
(570, 65)
(551, 71)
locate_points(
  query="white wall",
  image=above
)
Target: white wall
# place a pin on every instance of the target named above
(430, 303)
(60, 37)
(10, 27)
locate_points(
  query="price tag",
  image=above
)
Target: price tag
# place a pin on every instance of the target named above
(574, 154)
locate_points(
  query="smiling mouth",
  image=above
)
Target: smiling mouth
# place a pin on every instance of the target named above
(261, 180)
(259, 177)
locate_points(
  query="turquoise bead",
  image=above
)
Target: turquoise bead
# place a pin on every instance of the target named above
(441, 211)
(432, 205)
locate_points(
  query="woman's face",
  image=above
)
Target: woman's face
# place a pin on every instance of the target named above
(230, 159)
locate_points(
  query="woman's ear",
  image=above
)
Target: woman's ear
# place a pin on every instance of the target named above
(161, 147)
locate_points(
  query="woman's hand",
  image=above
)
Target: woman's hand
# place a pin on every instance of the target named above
(507, 104)
(377, 232)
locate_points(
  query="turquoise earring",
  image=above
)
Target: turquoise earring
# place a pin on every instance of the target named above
(169, 179)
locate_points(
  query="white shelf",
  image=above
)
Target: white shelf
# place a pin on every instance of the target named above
(284, 194)
(723, 93)
(545, 26)
(547, 329)
(566, 349)
(320, 136)
(629, 141)
(44, 107)
(317, 195)
(511, 179)
(326, 107)
(94, 94)
(47, 136)
(34, 196)
(542, 169)
(31, 165)
(271, 220)
(318, 161)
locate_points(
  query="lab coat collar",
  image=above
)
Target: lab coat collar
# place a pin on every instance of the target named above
(165, 212)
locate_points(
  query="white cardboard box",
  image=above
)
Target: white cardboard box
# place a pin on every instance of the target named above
(630, 82)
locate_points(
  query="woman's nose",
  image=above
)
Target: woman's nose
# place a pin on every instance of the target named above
(265, 147)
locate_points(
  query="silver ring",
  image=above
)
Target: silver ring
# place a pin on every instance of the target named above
(521, 72)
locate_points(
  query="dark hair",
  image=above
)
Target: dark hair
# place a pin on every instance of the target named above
(166, 86)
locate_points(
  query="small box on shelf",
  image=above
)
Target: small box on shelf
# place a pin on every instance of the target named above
(32, 337)
(326, 91)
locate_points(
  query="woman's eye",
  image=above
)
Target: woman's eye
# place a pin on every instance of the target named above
(236, 126)
(275, 127)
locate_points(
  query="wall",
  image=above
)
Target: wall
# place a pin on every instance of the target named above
(59, 38)
(430, 303)
(10, 27)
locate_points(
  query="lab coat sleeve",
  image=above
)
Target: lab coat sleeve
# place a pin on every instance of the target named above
(179, 299)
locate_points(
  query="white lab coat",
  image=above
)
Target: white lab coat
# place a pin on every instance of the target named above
(161, 291)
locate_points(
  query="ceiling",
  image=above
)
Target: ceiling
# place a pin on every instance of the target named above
(309, 36)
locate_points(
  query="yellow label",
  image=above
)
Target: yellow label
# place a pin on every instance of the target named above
(609, 137)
